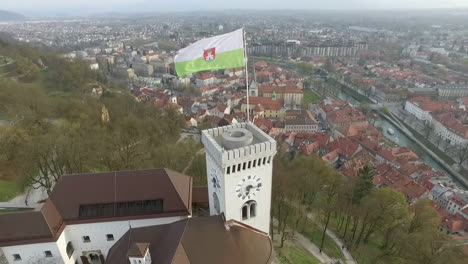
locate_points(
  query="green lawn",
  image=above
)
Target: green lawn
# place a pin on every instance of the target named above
(364, 253)
(9, 190)
(5, 117)
(310, 97)
(314, 234)
(295, 254)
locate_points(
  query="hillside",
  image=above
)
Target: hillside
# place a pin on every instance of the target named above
(10, 16)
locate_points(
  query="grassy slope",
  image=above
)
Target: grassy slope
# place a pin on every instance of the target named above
(295, 254)
(9, 190)
(314, 234)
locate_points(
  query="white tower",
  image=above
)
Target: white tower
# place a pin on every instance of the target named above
(239, 163)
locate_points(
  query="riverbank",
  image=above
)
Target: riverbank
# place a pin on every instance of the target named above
(456, 175)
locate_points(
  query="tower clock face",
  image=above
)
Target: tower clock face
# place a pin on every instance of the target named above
(214, 179)
(248, 187)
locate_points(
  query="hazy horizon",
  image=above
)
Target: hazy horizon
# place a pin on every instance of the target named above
(80, 7)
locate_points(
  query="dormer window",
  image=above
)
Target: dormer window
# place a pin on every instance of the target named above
(138, 253)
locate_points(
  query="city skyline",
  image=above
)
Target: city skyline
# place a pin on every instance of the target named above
(55, 7)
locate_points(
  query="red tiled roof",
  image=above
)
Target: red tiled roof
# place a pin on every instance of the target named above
(289, 88)
(453, 124)
(266, 102)
(386, 154)
(410, 188)
(347, 115)
(205, 76)
(264, 124)
(344, 146)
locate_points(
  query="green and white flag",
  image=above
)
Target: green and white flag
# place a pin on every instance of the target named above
(215, 53)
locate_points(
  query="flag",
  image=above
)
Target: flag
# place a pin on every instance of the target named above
(215, 53)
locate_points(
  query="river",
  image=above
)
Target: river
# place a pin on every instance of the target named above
(398, 138)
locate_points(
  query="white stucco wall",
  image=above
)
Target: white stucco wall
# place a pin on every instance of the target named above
(34, 253)
(218, 161)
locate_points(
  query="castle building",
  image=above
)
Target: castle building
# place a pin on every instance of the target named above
(148, 216)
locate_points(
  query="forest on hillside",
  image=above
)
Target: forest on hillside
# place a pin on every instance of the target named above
(51, 124)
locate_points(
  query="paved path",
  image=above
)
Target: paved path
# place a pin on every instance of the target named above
(348, 258)
(29, 199)
(312, 248)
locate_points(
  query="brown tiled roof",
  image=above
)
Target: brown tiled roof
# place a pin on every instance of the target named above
(97, 188)
(71, 191)
(27, 226)
(200, 194)
(138, 249)
(201, 240)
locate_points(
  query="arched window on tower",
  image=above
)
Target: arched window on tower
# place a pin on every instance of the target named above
(245, 212)
(249, 210)
(253, 209)
(216, 203)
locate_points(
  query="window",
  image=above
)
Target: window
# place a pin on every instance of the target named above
(48, 253)
(253, 209)
(233, 168)
(249, 210)
(110, 237)
(70, 249)
(243, 166)
(16, 257)
(245, 211)
(216, 203)
(253, 163)
(238, 167)
(228, 170)
(139, 207)
(86, 239)
(264, 160)
(96, 210)
(250, 163)
(121, 209)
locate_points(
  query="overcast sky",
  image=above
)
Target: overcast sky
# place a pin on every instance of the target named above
(193, 5)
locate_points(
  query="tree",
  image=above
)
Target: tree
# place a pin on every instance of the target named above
(365, 108)
(462, 153)
(364, 184)
(332, 186)
(281, 198)
(38, 158)
(425, 217)
(428, 129)
(382, 209)
(198, 170)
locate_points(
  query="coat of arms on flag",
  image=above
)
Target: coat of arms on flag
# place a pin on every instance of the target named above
(225, 51)
(209, 54)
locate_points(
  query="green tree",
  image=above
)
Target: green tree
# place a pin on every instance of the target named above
(332, 186)
(364, 184)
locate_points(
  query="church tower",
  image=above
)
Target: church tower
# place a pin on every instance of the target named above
(239, 163)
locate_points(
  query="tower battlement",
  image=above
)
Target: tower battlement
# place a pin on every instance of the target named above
(259, 145)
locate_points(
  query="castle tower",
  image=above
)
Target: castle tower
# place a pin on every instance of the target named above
(239, 163)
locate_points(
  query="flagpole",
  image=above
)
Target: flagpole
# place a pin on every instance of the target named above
(246, 75)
